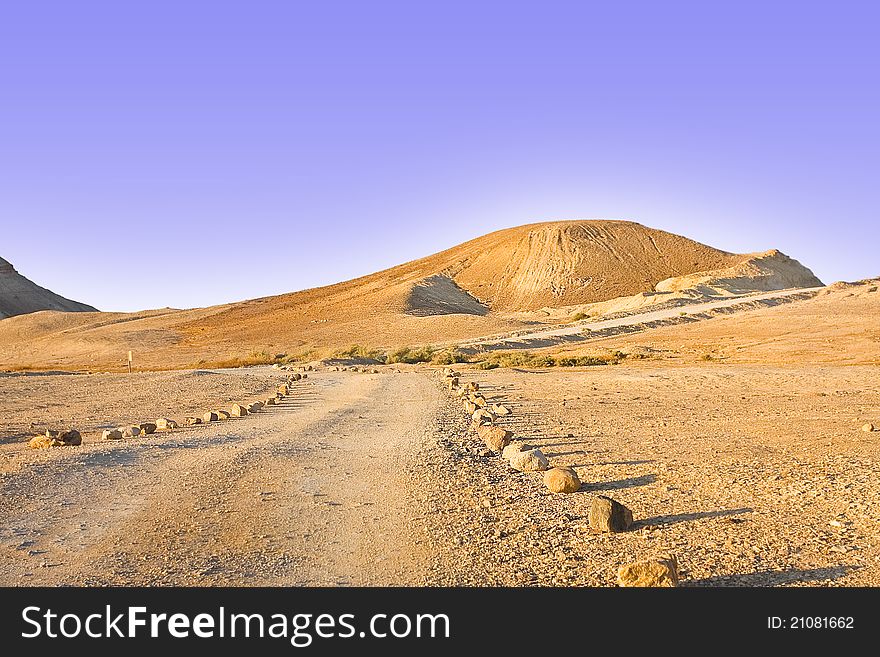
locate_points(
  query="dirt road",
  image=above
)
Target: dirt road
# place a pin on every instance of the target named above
(312, 492)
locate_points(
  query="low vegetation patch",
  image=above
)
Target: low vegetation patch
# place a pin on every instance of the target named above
(254, 358)
(449, 357)
(411, 355)
(529, 359)
(360, 352)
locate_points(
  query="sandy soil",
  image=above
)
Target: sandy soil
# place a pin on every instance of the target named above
(313, 492)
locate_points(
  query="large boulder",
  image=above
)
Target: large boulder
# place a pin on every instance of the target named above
(532, 460)
(211, 416)
(662, 571)
(562, 480)
(607, 515)
(166, 424)
(111, 434)
(148, 427)
(495, 438)
(237, 410)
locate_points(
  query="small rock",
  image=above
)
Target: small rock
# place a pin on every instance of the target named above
(532, 460)
(479, 401)
(499, 409)
(868, 427)
(237, 410)
(130, 432)
(166, 424)
(607, 515)
(514, 448)
(284, 390)
(211, 416)
(112, 434)
(224, 415)
(253, 408)
(662, 571)
(70, 438)
(562, 480)
(271, 401)
(482, 416)
(452, 383)
(190, 421)
(148, 427)
(495, 438)
(44, 442)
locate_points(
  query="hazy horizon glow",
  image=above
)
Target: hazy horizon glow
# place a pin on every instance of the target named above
(188, 154)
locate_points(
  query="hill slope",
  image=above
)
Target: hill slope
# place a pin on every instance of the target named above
(19, 296)
(488, 285)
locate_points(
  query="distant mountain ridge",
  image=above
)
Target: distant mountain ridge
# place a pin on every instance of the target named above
(20, 296)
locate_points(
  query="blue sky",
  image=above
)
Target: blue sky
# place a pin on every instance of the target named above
(190, 153)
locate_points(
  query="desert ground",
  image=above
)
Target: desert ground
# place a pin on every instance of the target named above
(736, 438)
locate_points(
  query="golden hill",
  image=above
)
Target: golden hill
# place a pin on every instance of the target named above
(491, 284)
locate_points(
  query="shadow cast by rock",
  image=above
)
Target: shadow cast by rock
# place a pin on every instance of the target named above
(688, 517)
(774, 577)
(631, 482)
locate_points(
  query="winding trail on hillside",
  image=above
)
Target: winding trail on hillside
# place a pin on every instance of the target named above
(636, 321)
(313, 492)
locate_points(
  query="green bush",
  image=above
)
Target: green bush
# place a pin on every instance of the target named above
(449, 357)
(359, 351)
(411, 355)
(528, 359)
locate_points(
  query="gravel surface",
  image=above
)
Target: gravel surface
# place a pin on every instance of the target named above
(751, 476)
(31, 402)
